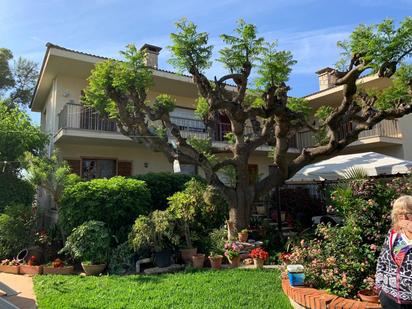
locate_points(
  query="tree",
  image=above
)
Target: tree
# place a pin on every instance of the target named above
(18, 81)
(120, 90)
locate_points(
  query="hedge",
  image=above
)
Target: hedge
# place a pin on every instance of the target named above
(117, 201)
(14, 190)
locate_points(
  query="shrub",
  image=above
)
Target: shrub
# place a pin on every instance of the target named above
(88, 242)
(121, 260)
(14, 190)
(343, 258)
(162, 185)
(17, 226)
(116, 202)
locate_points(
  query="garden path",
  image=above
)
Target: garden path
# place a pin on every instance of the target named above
(26, 299)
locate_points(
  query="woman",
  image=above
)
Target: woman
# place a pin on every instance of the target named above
(394, 269)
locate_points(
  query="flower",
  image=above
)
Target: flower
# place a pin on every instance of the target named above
(259, 253)
(232, 249)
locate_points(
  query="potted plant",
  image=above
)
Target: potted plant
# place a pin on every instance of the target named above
(57, 267)
(10, 266)
(183, 206)
(31, 267)
(232, 252)
(243, 235)
(89, 243)
(259, 256)
(155, 233)
(215, 260)
(198, 260)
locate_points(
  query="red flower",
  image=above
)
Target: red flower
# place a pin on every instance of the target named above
(259, 253)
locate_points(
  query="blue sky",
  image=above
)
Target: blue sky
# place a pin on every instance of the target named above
(308, 28)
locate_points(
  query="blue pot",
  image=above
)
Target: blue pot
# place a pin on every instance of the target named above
(296, 279)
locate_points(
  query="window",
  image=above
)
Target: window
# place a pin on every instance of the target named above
(98, 168)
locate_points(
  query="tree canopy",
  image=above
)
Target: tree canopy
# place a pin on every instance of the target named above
(120, 89)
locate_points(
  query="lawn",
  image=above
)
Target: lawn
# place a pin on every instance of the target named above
(202, 289)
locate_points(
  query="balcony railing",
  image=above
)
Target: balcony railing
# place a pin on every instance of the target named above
(386, 128)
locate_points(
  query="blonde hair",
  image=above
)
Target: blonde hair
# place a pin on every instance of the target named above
(400, 205)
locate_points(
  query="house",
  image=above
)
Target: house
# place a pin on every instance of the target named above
(94, 148)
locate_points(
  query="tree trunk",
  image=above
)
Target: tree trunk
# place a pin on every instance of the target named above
(240, 209)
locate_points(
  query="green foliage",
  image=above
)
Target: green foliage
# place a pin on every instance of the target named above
(14, 190)
(217, 240)
(378, 44)
(343, 258)
(299, 105)
(204, 146)
(116, 202)
(162, 185)
(244, 47)
(154, 232)
(355, 173)
(121, 260)
(50, 173)
(17, 135)
(202, 107)
(17, 226)
(322, 114)
(89, 242)
(190, 49)
(6, 75)
(229, 288)
(164, 103)
(130, 76)
(274, 68)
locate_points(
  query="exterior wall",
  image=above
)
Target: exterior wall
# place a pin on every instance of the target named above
(138, 154)
(405, 124)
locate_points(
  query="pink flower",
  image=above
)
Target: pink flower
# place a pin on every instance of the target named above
(373, 247)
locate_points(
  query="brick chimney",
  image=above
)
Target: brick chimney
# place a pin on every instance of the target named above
(152, 54)
(326, 78)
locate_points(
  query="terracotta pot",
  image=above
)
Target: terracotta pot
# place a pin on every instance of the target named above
(10, 269)
(243, 236)
(65, 270)
(216, 261)
(31, 270)
(92, 270)
(368, 296)
(258, 263)
(187, 254)
(234, 262)
(198, 260)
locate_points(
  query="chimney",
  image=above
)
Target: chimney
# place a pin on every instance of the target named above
(326, 78)
(152, 53)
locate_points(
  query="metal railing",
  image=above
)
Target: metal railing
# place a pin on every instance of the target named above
(386, 128)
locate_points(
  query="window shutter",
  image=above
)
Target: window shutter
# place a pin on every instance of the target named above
(74, 166)
(124, 168)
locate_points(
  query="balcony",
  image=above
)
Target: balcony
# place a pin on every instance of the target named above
(384, 133)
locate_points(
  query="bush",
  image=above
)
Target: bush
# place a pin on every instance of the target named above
(343, 258)
(17, 226)
(116, 202)
(14, 190)
(89, 242)
(163, 185)
(121, 260)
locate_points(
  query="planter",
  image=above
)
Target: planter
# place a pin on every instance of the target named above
(261, 210)
(368, 296)
(198, 260)
(31, 270)
(162, 258)
(92, 270)
(65, 270)
(243, 236)
(187, 254)
(234, 262)
(258, 263)
(216, 261)
(10, 269)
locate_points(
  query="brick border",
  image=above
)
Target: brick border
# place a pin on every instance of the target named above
(316, 299)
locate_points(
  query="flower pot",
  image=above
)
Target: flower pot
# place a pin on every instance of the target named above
(261, 210)
(162, 258)
(198, 260)
(368, 296)
(187, 254)
(234, 262)
(65, 270)
(216, 261)
(258, 263)
(92, 270)
(31, 270)
(11, 269)
(243, 236)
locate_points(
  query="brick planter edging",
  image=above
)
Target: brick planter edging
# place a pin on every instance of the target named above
(316, 299)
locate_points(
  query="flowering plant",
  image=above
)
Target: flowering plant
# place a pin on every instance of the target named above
(232, 249)
(8, 262)
(284, 257)
(57, 263)
(32, 261)
(259, 253)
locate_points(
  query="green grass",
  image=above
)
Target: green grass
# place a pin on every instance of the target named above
(202, 289)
